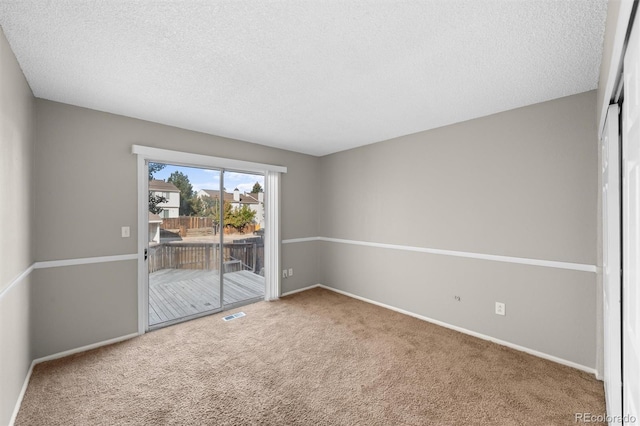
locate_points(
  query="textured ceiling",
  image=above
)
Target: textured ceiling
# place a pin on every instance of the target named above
(309, 76)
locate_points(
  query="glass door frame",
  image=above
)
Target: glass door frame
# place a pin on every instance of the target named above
(147, 154)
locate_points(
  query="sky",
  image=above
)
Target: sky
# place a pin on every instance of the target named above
(210, 179)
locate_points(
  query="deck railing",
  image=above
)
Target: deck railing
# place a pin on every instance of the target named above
(177, 255)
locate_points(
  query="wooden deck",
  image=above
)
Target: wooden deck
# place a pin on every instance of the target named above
(178, 293)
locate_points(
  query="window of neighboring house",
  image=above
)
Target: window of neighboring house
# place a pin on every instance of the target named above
(165, 213)
(166, 195)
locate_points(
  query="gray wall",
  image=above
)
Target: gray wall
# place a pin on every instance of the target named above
(86, 190)
(74, 306)
(522, 183)
(16, 253)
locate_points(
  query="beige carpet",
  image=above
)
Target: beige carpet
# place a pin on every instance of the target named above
(314, 358)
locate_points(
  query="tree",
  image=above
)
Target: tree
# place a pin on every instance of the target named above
(214, 212)
(240, 217)
(208, 207)
(155, 168)
(154, 200)
(256, 188)
(181, 181)
(196, 206)
(237, 218)
(228, 212)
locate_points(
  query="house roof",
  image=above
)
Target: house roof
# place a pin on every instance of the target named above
(228, 196)
(160, 185)
(251, 198)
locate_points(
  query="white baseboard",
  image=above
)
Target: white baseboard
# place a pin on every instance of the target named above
(85, 348)
(300, 289)
(465, 331)
(57, 356)
(14, 415)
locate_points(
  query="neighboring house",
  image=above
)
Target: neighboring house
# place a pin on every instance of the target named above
(255, 201)
(154, 228)
(169, 191)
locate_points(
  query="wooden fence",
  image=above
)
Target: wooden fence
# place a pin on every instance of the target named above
(187, 222)
(247, 256)
(184, 223)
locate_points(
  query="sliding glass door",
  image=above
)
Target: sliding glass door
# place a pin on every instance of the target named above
(183, 254)
(206, 244)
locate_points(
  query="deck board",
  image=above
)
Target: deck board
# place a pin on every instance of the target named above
(177, 293)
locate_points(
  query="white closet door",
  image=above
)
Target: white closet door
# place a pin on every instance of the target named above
(611, 263)
(631, 224)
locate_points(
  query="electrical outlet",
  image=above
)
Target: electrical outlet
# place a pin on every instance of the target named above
(126, 232)
(284, 273)
(290, 272)
(500, 308)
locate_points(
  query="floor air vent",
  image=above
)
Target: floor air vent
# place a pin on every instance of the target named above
(234, 316)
